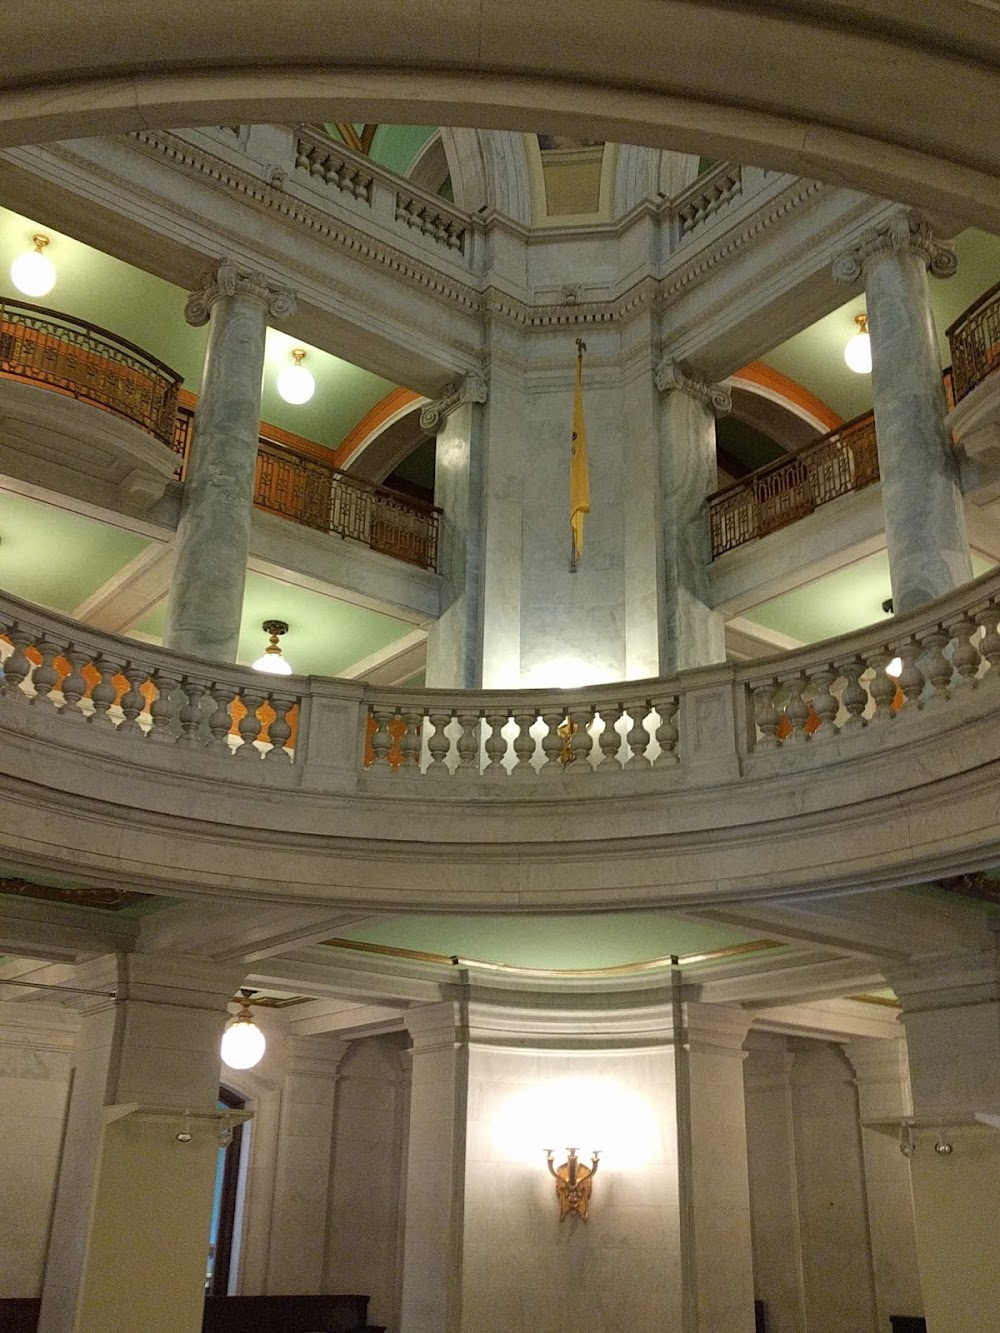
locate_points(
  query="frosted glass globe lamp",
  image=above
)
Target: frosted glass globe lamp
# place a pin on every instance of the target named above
(295, 384)
(858, 352)
(271, 660)
(243, 1043)
(33, 273)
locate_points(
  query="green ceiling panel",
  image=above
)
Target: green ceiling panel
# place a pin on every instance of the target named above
(611, 939)
(57, 558)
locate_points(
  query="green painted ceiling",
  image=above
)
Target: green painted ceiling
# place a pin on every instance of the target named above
(324, 636)
(394, 147)
(57, 558)
(838, 603)
(611, 939)
(150, 312)
(815, 357)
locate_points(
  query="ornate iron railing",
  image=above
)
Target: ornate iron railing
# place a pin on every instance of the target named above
(90, 363)
(313, 493)
(974, 339)
(838, 463)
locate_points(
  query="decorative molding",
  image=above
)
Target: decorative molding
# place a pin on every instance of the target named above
(669, 377)
(901, 233)
(473, 388)
(230, 280)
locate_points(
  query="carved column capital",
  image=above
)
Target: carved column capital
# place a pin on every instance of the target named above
(231, 280)
(669, 378)
(472, 388)
(902, 232)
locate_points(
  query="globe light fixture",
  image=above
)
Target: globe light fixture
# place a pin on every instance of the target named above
(895, 668)
(858, 352)
(243, 1043)
(271, 659)
(33, 273)
(295, 384)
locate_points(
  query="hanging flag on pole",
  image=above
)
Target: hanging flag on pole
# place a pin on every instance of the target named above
(579, 472)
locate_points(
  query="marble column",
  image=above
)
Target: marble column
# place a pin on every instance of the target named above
(454, 645)
(921, 495)
(951, 1013)
(133, 1201)
(213, 536)
(691, 633)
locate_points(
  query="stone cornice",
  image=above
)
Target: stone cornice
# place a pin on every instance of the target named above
(900, 234)
(669, 378)
(230, 280)
(472, 388)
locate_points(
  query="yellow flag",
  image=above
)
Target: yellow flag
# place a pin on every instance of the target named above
(579, 472)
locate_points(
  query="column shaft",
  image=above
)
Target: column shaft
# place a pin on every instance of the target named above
(213, 536)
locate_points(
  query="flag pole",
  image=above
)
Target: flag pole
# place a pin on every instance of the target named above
(581, 347)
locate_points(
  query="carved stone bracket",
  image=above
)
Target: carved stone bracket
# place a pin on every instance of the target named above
(670, 378)
(472, 388)
(230, 280)
(902, 232)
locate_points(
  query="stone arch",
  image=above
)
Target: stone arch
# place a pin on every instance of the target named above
(649, 173)
(489, 170)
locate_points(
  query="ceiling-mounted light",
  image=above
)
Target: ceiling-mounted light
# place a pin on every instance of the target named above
(858, 352)
(243, 1042)
(33, 273)
(295, 384)
(271, 659)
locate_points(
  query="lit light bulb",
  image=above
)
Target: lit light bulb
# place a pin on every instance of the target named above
(858, 352)
(243, 1043)
(271, 659)
(295, 384)
(895, 667)
(33, 273)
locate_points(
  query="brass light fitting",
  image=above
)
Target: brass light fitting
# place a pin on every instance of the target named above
(574, 1182)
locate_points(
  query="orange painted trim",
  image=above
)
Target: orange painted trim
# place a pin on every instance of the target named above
(757, 373)
(393, 402)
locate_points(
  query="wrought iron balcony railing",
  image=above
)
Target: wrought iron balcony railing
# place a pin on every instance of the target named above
(974, 339)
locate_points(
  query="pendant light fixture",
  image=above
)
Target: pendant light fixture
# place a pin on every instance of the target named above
(33, 273)
(858, 352)
(271, 659)
(296, 384)
(243, 1043)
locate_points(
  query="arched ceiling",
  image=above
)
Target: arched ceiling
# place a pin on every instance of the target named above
(887, 95)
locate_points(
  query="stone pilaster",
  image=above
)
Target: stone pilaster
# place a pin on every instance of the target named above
(921, 496)
(691, 633)
(213, 536)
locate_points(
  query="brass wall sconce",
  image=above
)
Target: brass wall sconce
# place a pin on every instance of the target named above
(574, 1182)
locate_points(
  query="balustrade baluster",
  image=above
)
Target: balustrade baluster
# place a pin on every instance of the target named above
(911, 679)
(638, 739)
(797, 711)
(937, 668)
(133, 701)
(524, 744)
(18, 666)
(666, 732)
(250, 725)
(468, 745)
(989, 648)
(190, 715)
(581, 742)
(410, 742)
(883, 687)
(965, 659)
(280, 729)
(825, 704)
(46, 677)
(220, 720)
(610, 739)
(854, 696)
(166, 681)
(104, 693)
(552, 742)
(74, 687)
(381, 740)
(767, 715)
(439, 743)
(496, 742)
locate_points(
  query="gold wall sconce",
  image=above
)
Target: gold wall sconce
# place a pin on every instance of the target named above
(574, 1182)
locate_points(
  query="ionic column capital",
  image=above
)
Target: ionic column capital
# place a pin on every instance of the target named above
(472, 388)
(903, 232)
(669, 378)
(230, 280)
